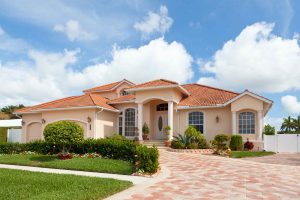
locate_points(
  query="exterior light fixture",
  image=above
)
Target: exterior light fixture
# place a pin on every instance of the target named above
(43, 121)
(217, 119)
(23, 122)
(89, 120)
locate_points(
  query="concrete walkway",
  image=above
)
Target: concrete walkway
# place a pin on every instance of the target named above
(134, 179)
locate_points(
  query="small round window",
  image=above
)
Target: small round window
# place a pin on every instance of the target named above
(160, 123)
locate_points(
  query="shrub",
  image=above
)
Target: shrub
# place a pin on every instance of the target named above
(167, 130)
(192, 145)
(145, 129)
(63, 134)
(147, 158)
(269, 130)
(175, 144)
(221, 141)
(117, 137)
(183, 139)
(248, 145)
(236, 142)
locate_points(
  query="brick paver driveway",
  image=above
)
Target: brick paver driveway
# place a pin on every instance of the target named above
(195, 176)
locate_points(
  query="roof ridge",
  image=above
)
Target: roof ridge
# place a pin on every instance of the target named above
(212, 87)
(168, 81)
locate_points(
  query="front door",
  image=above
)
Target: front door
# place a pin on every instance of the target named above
(160, 122)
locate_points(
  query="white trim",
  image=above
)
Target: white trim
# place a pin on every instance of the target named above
(204, 120)
(130, 101)
(158, 87)
(123, 122)
(154, 98)
(70, 108)
(199, 107)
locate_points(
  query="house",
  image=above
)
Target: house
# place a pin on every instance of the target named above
(123, 106)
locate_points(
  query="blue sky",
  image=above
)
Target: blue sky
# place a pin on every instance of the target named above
(57, 48)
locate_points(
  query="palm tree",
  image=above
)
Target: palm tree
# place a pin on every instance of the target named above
(9, 110)
(287, 125)
(296, 123)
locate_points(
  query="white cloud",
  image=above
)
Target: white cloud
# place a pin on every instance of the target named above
(155, 22)
(74, 31)
(50, 75)
(274, 121)
(291, 104)
(256, 59)
(11, 44)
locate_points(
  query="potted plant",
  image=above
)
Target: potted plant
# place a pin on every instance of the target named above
(145, 131)
(167, 132)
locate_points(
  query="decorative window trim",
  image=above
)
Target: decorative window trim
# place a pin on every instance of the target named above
(204, 124)
(123, 120)
(247, 122)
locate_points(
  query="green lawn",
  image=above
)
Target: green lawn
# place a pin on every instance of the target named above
(17, 184)
(243, 154)
(82, 164)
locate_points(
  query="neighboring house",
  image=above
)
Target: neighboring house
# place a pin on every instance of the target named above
(121, 107)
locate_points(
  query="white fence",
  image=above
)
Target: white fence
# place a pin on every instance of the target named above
(282, 143)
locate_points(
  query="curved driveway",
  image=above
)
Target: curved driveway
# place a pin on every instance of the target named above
(194, 176)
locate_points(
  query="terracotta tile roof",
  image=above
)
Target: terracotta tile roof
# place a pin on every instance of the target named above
(201, 95)
(122, 99)
(106, 87)
(71, 102)
(155, 83)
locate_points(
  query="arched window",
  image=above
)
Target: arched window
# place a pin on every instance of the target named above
(162, 107)
(196, 119)
(130, 122)
(247, 123)
(123, 93)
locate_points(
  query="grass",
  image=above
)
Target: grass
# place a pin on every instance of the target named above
(17, 184)
(243, 154)
(82, 164)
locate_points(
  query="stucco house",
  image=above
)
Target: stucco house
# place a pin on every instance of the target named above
(122, 106)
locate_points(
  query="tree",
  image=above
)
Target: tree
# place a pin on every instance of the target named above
(9, 110)
(296, 123)
(269, 130)
(63, 134)
(287, 125)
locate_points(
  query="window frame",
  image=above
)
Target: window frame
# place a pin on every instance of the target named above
(203, 120)
(244, 127)
(123, 120)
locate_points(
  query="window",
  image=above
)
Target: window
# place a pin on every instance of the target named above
(247, 123)
(121, 123)
(123, 93)
(130, 122)
(196, 120)
(162, 107)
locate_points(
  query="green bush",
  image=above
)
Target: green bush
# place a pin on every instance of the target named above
(220, 141)
(175, 144)
(236, 143)
(63, 134)
(147, 158)
(269, 130)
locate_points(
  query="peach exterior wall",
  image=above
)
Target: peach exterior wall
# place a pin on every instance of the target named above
(79, 115)
(250, 104)
(106, 124)
(211, 127)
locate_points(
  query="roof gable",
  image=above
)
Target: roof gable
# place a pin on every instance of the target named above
(108, 87)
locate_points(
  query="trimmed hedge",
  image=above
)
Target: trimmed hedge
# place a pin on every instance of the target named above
(236, 143)
(147, 158)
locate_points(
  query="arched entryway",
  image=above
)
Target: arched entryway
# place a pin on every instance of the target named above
(34, 131)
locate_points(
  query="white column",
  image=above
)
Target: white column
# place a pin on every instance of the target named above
(234, 132)
(260, 125)
(170, 118)
(140, 121)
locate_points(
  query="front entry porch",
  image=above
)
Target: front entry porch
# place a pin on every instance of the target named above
(157, 114)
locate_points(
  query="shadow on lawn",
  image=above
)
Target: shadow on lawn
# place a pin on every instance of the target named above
(43, 158)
